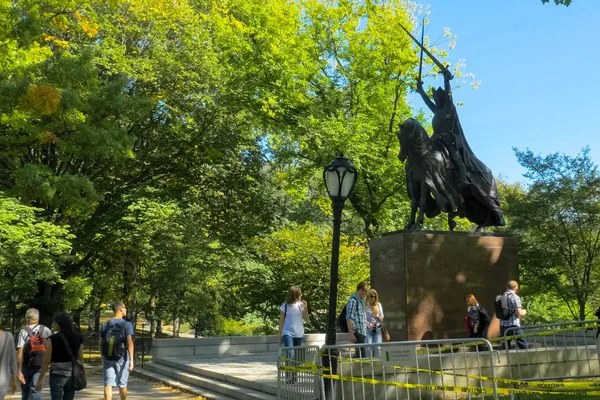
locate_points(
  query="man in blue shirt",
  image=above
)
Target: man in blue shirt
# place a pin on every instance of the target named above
(116, 371)
(356, 317)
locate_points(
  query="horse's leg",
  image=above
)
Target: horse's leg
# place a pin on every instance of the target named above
(423, 193)
(414, 198)
(480, 228)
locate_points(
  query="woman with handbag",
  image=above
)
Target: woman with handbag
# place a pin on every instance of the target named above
(64, 356)
(477, 318)
(374, 312)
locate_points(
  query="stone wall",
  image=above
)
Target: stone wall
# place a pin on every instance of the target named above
(423, 277)
(230, 345)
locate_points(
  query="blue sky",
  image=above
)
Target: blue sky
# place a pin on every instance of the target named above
(540, 70)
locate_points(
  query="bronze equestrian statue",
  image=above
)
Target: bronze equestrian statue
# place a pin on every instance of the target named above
(442, 172)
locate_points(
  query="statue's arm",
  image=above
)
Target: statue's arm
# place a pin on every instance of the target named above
(447, 78)
(426, 98)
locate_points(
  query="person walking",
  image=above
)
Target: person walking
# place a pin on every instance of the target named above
(374, 312)
(8, 364)
(116, 348)
(477, 317)
(516, 315)
(356, 318)
(31, 349)
(59, 359)
(292, 313)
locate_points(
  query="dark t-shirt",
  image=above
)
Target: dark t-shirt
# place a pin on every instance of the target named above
(59, 351)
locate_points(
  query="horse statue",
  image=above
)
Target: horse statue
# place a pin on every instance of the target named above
(434, 186)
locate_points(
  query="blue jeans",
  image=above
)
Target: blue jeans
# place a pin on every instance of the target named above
(289, 341)
(28, 391)
(374, 336)
(360, 352)
(291, 355)
(61, 387)
(521, 343)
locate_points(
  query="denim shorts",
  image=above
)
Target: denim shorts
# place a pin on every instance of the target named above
(116, 372)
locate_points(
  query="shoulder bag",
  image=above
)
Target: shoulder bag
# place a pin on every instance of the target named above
(78, 374)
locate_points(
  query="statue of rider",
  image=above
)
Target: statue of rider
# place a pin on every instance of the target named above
(445, 123)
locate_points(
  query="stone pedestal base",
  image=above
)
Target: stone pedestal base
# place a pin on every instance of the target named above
(423, 277)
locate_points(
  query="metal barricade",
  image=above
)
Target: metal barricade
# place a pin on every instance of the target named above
(299, 374)
(429, 369)
(558, 351)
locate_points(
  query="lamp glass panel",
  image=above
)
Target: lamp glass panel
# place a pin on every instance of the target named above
(347, 183)
(333, 182)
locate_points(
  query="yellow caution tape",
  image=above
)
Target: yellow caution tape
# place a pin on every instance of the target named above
(309, 367)
(458, 389)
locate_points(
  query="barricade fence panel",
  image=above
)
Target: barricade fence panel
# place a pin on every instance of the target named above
(557, 352)
(433, 369)
(560, 360)
(299, 373)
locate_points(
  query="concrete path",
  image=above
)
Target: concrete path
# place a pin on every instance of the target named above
(258, 368)
(139, 389)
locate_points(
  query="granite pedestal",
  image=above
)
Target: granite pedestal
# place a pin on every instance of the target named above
(423, 277)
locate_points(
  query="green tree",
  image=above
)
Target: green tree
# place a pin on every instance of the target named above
(557, 220)
(557, 2)
(31, 249)
(300, 255)
(100, 99)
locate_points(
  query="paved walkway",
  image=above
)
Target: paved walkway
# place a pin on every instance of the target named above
(258, 368)
(139, 389)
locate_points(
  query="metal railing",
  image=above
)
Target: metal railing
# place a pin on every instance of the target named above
(557, 351)
(299, 374)
(427, 369)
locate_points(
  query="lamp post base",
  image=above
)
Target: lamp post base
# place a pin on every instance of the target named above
(330, 366)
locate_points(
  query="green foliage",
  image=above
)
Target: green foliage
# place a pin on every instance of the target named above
(31, 249)
(77, 291)
(300, 255)
(557, 220)
(237, 328)
(170, 152)
(557, 2)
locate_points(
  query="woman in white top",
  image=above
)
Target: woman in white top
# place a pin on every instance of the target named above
(374, 313)
(292, 313)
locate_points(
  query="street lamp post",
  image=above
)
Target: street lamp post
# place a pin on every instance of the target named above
(340, 177)
(14, 297)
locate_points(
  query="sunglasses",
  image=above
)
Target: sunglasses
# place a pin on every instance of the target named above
(373, 296)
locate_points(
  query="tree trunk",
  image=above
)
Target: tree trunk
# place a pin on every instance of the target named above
(159, 326)
(151, 315)
(581, 310)
(77, 320)
(91, 318)
(97, 320)
(176, 325)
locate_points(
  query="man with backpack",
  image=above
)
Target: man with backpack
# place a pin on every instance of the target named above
(31, 348)
(510, 312)
(116, 348)
(356, 318)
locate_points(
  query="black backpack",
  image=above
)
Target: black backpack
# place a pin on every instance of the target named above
(342, 324)
(484, 319)
(503, 307)
(115, 337)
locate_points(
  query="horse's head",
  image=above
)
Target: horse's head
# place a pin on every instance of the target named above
(412, 137)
